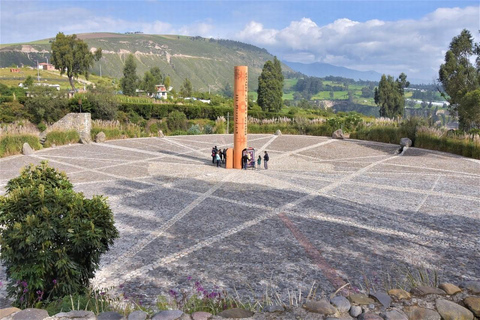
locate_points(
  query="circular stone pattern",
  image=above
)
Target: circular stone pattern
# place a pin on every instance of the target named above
(326, 211)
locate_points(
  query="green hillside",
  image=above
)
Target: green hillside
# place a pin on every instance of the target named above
(208, 63)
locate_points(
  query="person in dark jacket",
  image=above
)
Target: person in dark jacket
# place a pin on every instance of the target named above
(265, 160)
(245, 160)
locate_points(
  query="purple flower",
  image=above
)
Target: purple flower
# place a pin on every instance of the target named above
(24, 283)
(189, 278)
(54, 281)
(173, 293)
(25, 290)
(102, 293)
(121, 286)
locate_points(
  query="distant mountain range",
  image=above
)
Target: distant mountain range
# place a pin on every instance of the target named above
(322, 70)
(207, 63)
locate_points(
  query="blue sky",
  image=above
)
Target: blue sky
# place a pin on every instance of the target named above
(385, 36)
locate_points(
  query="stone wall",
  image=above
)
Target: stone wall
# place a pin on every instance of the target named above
(81, 122)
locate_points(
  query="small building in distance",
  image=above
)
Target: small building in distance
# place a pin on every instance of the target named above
(161, 91)
(46, 66)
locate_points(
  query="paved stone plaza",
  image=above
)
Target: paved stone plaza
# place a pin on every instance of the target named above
(326, 212)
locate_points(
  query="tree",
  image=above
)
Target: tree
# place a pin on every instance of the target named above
(389, 95)
(72, 57)
(28, 83)
(166, 82)
(51, 237)
(186, 89)
(227, 90)
(148, 83)
(270, 86)
(460, 77)
(157, 75)
(129, 80)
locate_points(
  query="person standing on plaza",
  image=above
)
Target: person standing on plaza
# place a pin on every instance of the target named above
(217, 157)
(259, 161)
(245, 160)
(265, 160)
(214, 154)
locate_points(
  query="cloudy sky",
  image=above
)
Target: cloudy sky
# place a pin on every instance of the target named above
(389, 36)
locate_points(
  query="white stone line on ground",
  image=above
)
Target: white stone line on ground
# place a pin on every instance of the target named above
(175, 256)
(79, 167)
(354, 175)
(11, 157)
(158, 232)
(340, 159)
(86, 158)
(269, 142)
(288, 153)
(420, 205)
(178, 144)
(153, 153)
(433, 169)
(413, 190)
(444, 242)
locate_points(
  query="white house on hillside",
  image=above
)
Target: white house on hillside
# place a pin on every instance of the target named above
(161, 91)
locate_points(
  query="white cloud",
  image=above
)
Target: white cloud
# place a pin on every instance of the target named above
(415, 46)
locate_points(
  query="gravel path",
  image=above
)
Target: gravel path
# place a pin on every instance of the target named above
(327, 212)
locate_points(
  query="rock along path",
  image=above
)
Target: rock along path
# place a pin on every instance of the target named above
(327, 211)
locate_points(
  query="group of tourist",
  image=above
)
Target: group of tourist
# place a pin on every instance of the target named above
(219, 156)
(246, 158)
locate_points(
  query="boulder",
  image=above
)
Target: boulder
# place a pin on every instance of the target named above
(341, 303)
(75, 315)
(405, 142)
(419, 313)
(278, 133)
(274, 308)
(473, 303)
(355, 311)
(338, 134)
(399, 294)
(395, 315)
(360, 299)
(450, 288)
(236, 313)
(201, 315)
(425, 290)
(27, 150)
(110, 315)
(30, 314)
(322, 307)
(160, 134)
(451, 311)
(369, 316)
(382, 297)
(137, 315)
(8, 311)
(100, 137)
(85, 138)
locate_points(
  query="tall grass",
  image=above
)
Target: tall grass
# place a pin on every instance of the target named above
(59, 138)
(117, 130)
(467, 145)
(12, 144)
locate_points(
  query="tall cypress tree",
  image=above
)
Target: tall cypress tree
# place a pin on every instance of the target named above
(129, 80)
(389, 95)
(270, 86)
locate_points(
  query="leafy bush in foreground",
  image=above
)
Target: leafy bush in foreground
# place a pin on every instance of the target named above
(51, 237)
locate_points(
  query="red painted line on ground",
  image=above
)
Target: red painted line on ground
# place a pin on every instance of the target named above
(330, 273)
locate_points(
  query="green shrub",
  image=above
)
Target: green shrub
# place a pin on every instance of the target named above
(177, 120)
(60, 138)
(12, 144)
(194, 129)
(51, 237)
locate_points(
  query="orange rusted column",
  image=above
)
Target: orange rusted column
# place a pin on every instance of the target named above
(240, 114)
